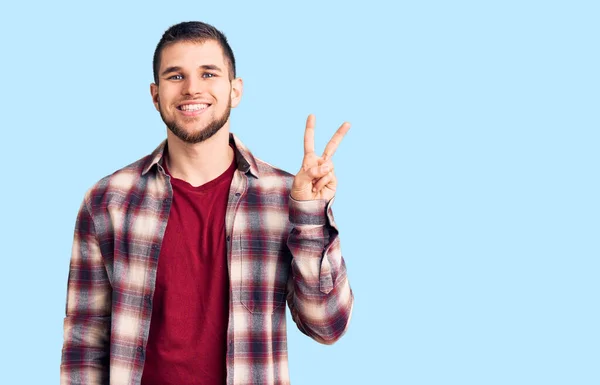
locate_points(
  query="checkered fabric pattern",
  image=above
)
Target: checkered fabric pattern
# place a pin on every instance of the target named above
(278, 250)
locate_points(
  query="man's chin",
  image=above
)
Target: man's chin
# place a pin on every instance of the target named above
(193, 135)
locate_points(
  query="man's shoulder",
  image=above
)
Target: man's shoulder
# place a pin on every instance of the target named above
(265, 170)
(120, 182)
(270, 173)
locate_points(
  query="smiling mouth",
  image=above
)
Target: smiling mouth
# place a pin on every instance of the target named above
(192, 107)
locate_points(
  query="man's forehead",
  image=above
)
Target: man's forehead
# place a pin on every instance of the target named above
(202, 52)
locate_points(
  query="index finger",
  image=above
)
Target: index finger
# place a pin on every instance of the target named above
(309, 135)
(335, 141)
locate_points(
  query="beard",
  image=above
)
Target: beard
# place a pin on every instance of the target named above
(200, 136)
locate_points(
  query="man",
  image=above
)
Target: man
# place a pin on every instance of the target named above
(183, 260)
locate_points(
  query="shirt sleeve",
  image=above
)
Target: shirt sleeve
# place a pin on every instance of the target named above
(85, 352)
(319, 294)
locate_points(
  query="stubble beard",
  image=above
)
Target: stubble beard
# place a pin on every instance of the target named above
(204, 134)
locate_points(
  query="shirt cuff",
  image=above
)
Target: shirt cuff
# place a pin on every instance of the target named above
(313, 212)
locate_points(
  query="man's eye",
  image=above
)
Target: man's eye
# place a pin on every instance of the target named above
(208, 75)
(176, 77)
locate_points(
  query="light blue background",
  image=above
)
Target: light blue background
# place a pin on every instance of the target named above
(468, 197)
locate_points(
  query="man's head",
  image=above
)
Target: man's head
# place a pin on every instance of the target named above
(195, 84)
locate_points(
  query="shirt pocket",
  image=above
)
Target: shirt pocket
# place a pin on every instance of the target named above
(264, 278)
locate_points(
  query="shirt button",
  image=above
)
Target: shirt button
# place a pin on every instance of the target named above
(228, 238)
(237, 194)
(140, 349)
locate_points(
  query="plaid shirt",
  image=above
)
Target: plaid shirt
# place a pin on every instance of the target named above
(278, 250)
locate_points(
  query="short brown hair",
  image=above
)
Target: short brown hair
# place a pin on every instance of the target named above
(193, 31)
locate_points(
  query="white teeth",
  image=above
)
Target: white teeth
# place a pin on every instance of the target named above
(193, 107)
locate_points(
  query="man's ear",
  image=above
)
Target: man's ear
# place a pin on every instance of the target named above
(154, 94)
(237, 89)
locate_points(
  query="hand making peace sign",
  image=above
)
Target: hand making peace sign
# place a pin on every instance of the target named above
(316, 179)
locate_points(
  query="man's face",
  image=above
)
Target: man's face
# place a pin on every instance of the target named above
(194, 94)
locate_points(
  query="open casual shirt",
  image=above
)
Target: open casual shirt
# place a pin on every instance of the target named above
(278, 250)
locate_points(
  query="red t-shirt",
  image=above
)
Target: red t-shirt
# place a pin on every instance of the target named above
(188, 330)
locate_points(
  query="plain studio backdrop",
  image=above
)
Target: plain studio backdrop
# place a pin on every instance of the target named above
(468, 185)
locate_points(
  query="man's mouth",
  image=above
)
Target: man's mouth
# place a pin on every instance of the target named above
(192, 107)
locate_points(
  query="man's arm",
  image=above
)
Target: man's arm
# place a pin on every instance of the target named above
(85, 352)
(320, 298)
(319, 293)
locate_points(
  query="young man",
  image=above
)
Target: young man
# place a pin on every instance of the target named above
(182, 261)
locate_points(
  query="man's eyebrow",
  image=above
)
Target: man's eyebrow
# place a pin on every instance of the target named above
(170, 69)
(212, 67)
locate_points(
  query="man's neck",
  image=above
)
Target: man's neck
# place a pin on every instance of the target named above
(199, 163)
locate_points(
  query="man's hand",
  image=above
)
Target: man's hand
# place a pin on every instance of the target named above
(316, 179)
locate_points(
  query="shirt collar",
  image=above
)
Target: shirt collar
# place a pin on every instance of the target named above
(244, 158)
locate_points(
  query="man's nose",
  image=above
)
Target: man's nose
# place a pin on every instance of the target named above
(192, 86)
